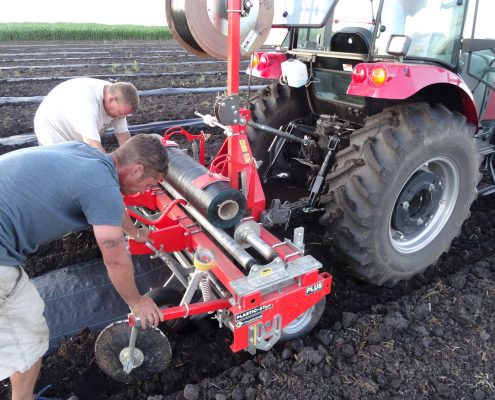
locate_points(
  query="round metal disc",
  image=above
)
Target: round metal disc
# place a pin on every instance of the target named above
(180, 30)
(203, 25)
(153, 344)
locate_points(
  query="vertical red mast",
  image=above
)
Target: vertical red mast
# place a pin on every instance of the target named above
(234, 46)
(236, 146)
(233, 61)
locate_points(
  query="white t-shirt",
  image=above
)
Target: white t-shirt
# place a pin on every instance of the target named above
(75, 109)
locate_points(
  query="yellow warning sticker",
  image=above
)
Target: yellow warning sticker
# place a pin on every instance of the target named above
(245, 151)
(243, 145)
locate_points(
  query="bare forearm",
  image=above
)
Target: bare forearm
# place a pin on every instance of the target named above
(123, 137)
(128, 227)
(122, 278)
(139, 234)
(121, 272)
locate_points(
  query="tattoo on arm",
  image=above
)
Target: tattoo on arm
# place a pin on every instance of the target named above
(111, 243)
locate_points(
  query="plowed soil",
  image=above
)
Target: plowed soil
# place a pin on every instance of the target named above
(429, 338)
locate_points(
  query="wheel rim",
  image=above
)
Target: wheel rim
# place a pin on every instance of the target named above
(300, 322)
(424, 205)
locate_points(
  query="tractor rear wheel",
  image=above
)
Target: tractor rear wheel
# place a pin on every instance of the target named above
(401, 191)
(275, 106)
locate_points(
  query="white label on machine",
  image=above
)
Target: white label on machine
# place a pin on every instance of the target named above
(314, 288)
(251, 315)
(249, 41)
(347, 67)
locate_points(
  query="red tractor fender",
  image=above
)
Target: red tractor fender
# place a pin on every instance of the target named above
(266, 64)
(399, 81)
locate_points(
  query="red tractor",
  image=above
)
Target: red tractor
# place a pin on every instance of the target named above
(395, 101)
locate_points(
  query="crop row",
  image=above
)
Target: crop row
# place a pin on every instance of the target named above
(70, 31)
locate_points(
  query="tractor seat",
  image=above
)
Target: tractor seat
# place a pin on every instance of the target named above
(351, 40)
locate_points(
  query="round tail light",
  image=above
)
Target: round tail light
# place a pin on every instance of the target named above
(379, 75)
(254, 60)
(264, 62)
(359, 74)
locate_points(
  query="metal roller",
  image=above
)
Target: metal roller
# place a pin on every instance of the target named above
(200, 26)
(229, 244)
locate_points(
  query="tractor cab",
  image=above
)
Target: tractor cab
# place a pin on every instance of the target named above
(371, 28)
(452, 34)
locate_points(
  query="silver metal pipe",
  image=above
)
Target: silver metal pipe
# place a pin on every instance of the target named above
(182, 259)
(169, 263)
(279, 133)
(247, 234)
(236, 251)
(260, 246)
(192, 287)
(130, 356)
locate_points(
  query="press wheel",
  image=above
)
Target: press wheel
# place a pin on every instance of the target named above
(151, 345)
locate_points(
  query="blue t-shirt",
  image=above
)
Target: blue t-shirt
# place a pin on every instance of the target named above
(47, 192)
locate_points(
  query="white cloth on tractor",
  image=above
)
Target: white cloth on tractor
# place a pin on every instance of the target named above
(23, 329)
(75, 109)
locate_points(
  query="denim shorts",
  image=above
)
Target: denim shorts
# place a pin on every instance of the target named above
(23, 328)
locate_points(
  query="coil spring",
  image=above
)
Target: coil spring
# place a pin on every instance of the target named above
(205, 286)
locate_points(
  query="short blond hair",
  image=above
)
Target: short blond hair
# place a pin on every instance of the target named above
(126, 93)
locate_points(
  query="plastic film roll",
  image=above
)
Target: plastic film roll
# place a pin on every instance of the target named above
(214, 198)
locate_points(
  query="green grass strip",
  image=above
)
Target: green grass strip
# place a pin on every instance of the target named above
(68, 31)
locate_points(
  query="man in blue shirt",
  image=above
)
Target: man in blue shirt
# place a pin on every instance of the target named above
(45, 193)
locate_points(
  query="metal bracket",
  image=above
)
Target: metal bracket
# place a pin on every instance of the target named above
(277, 214)
(246, 7)
(281, 213)
(159, 253)
(260, 275)
(299, 238)
(227, 109)
(262, 338)
(265, 280)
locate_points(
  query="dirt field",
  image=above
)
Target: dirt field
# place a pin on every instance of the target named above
(429, 338)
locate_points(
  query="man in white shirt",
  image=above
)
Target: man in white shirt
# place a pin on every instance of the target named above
(82, 109)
